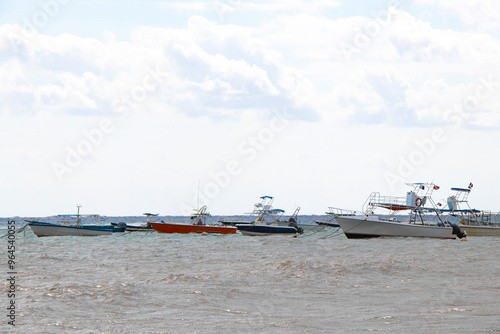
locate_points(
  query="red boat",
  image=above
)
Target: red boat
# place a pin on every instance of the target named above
(198, 225)
(190, 228)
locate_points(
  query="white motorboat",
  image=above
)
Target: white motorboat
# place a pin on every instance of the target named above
(423, 219)
(370, 227)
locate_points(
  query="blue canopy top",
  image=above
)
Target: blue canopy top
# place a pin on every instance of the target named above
(266, 197)
(461, 189)
(461, 210)
(278, 210)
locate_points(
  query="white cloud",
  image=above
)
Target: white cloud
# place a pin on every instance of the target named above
(391, 63)
(207, 65)
(482, 15)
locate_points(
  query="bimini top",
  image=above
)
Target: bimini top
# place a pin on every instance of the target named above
(263, 197)
(277, 210)
(461, 189)
(461, 210)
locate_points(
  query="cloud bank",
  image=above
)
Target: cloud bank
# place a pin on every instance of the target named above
(389, 68)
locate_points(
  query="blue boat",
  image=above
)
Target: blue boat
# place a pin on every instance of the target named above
(253, 229)
(66, 228)
(42, 229)
(263, 212)
(264, 219)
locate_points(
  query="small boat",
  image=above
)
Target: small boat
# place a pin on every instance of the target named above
(262, 229)
(333, 213)
(76, 228)
(269, 222)
(197, 225)
(327, 223)
(477, 223)
(139, 227)
(264, 214)
(423, 219)
(263, 210)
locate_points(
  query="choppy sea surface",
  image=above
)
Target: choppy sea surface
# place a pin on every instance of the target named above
(319, 282)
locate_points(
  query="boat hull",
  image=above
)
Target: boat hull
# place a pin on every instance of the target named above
(481, 231)
(305, 227)
(129, 228)
(136, 228)
(41, 229)
(362, 227)
(189, 228)
(253, 230)
(328, 224)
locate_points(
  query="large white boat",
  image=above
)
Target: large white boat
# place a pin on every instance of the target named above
(421, 218)
(478, 223)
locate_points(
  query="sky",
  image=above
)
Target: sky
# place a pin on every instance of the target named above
(126, 107)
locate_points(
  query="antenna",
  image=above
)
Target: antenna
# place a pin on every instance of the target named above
(78, 214)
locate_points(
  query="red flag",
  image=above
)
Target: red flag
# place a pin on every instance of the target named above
(436, 187)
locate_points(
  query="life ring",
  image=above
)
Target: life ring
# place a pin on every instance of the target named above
(418, 201)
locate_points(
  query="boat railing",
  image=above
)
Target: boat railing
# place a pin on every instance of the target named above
(495, 218)
(485, 218)
(295, 215)
(367, 207)
(389, 200)
(393, 203)
(341, 212)
(479, 218)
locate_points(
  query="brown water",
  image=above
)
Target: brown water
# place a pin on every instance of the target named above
(318, 283)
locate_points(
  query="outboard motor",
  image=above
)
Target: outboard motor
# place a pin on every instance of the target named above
(458, 232)
(293, 223)
(122, 225)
